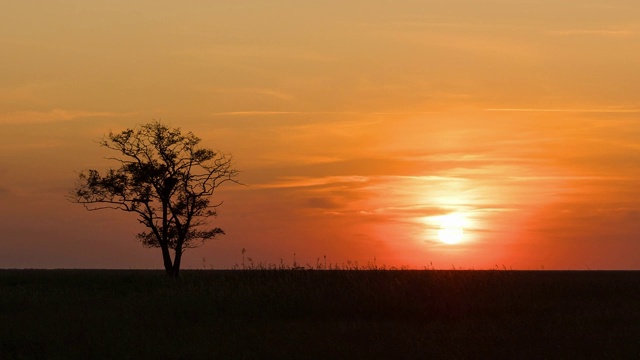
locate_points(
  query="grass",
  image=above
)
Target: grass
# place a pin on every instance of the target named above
(319, 314)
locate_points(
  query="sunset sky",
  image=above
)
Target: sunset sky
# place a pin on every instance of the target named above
(358, 127)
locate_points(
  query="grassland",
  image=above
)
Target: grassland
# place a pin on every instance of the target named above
(319, 314)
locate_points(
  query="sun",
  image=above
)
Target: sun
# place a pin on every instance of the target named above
(451, 228)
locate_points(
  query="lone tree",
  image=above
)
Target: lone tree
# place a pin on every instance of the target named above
(167, 180)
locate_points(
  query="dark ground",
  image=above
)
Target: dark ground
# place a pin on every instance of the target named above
(319, 314)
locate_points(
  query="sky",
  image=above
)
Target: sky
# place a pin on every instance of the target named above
(358, 127)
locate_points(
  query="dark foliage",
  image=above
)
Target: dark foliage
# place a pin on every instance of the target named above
(167, 180)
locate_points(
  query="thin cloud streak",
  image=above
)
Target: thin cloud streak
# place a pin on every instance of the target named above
(54, 115)
(295, 182)
(586, 178)
(267, 112)
(259, 91)
(560, 110)
(597, 32)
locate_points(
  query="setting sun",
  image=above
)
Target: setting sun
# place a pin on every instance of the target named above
(451, 228)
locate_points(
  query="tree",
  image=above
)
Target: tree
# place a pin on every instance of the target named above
(167, 180)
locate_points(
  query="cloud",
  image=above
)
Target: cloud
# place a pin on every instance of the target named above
(398, 197)
(27, 92)
(267, 52)
(271, 112)
(302, 182)
(322, 203)
(268, 92)
(596, 32)
(54, 115)
(561, 110)
(574, 178)
(478, 43)
(256, 113)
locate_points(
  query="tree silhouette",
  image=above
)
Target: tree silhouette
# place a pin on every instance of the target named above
(167, 180)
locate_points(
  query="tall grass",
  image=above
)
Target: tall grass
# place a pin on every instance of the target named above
(287, 313)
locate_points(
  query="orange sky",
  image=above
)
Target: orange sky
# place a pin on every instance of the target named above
(356, 125)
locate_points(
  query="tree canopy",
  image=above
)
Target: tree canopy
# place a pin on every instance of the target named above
(164, 177)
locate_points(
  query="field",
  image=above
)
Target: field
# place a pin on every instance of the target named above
(319, 314)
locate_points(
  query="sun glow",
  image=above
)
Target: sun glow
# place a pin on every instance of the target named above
(451, 228)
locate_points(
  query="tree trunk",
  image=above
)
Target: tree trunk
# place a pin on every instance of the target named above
(177, 260)
(164, 242)
(166, 257)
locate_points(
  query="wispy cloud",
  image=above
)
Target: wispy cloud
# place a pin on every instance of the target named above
(293, 182)
(259, 91)
(256, 113)
(54, 115)
(573, 178)
(270, 112)
(477, 43)
(267, 52)
(596, 32)
(25, 92)
(586, 110)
